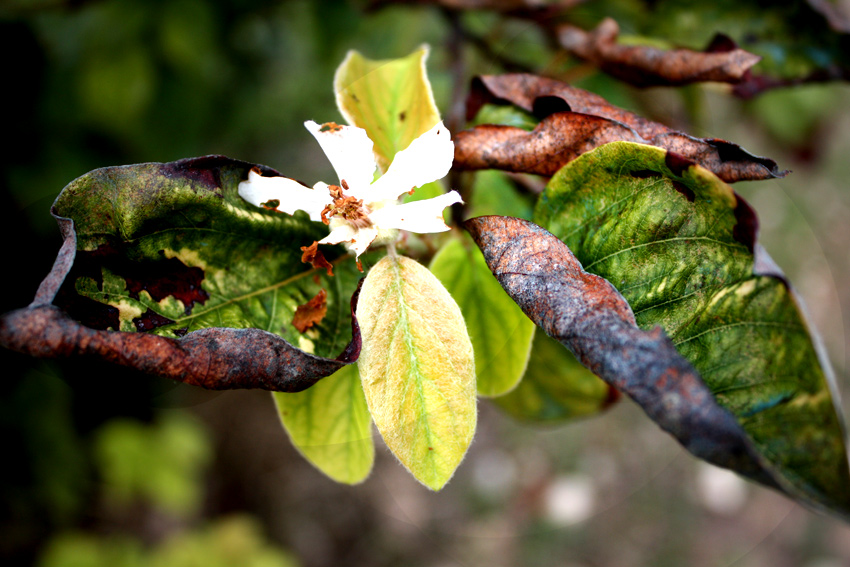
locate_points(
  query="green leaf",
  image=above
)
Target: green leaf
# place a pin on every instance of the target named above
(494, 194)
(501, 334)
(330, 425)
(390, 99)
(556, 387)
(172, 248)
(417, 368)
(680, 246)
(506, 116)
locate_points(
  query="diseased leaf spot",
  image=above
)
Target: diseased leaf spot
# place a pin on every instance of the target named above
(644, 173)
(167, 278)
(401, 116)
(721, 43)
(88, 312)
(684, 190)
(746, 225)
(151, 320)
(677, 163)
(161, 279)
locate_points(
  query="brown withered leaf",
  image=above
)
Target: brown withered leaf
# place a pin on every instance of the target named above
(313, 256)
(590, 317)
(557, 140)
(646, 66)
(574, 121)
(311, 312)
(213, 358)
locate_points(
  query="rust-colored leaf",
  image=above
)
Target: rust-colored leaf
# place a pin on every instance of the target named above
(590, 317)
(311, 312)
(646, 66)
(574, 121)
(556, 141)
(313, 256)
(213, 358)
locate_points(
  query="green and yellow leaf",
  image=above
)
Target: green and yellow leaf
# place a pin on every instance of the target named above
(680, 246)
(329, 424)
(390, 99)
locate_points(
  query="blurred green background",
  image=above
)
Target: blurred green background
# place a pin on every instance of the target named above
(108, 467)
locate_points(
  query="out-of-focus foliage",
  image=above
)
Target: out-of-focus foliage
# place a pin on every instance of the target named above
(154, 473)
(233, 541)
(162, 463)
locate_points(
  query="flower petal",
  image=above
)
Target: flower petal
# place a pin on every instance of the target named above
(341, 231)
(290, 194)
(358, 239)
(428, 158)
(418, 216)
(349, 150)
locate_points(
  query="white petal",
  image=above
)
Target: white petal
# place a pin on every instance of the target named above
(358, 239)
(293, 196)
(341, 231)
(418, 216)
(362, 240)
(349, 150)
(428, 158)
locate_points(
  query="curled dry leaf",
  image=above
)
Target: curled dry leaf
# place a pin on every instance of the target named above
(574, 121)
(646, 66)
(590, 317)
(311, 312)
(213, 358)
(166, 248)
(313, 256)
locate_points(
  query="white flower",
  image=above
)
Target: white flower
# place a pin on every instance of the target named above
(359, 211)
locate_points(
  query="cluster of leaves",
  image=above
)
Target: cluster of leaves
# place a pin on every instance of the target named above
(676, 304)
(753, 44)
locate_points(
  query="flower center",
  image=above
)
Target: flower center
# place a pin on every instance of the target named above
(351, 209)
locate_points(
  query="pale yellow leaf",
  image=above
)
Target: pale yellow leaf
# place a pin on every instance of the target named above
(417, 368)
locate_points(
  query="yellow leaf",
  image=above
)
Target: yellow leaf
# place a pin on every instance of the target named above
(417, 368)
